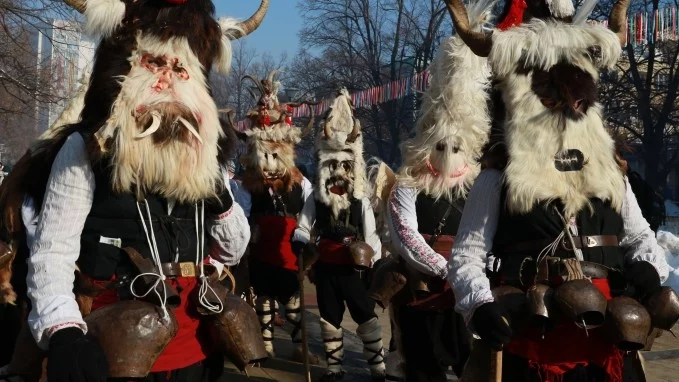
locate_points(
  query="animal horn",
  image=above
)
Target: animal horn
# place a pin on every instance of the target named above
(479, 42)
(78, 5)
(272, 75)
(256, 82)
(248, 26)
(617, 20)
(355, 131)
(229, 117)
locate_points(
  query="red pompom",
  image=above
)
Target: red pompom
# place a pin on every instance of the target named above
(514, 16)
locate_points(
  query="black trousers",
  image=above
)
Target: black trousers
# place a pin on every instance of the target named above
(340, 284)
(274, 282)
(209, 370)
(431, 342)
(515, 368)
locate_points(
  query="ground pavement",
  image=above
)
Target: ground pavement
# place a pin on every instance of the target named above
(662, 362)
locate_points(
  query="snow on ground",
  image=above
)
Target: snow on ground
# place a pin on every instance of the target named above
(670, 242)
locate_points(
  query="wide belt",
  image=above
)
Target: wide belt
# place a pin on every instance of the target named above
(185, 269)
(565, 244)
(518, 271)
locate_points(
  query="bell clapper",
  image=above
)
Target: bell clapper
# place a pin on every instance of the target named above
(672, 333)
(585, 326)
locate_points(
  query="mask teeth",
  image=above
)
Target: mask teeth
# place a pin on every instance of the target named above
(191, 129)
(154, 126)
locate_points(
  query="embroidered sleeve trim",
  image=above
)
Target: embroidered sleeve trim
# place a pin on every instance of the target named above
(53, 329)
(414, 242)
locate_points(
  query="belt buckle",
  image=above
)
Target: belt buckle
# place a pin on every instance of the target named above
(591, 242)
(187, 269)
(347, 240)
(566, 244)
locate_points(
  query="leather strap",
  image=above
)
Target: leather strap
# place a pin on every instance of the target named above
(443, 244)
(186, 269)
(535, 246)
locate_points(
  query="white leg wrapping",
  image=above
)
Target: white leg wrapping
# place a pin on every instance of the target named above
(370, 333)
(264, 307)
(334, 346)
(293, 313)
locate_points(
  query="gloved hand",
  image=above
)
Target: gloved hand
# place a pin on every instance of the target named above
(72, 357)
(216, 207)
(297, 247)
(642, 278)
(491, 326)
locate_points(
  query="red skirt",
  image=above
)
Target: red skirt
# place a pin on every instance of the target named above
(568, 346)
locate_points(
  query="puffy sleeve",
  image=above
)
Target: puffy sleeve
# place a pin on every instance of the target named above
(474, 239)
(230, 233)
(638, 241)
(406, 238)
(306, 220)
(370, 231)
(56, 242)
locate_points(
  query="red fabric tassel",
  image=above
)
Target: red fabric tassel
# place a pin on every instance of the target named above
(514, 16)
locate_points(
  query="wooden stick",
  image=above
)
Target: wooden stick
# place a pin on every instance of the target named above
(305, 339)
(495, 366)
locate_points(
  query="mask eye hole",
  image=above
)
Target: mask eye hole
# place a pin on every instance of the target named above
(440, 146)
(274, 155)
(332, 165)
(347, 166)
(455, 149)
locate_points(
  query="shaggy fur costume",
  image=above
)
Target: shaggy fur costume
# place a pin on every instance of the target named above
(534, 135)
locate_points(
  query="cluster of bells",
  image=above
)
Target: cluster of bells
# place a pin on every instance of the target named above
(628, 323)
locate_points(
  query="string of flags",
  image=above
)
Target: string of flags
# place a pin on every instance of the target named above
(642, 28)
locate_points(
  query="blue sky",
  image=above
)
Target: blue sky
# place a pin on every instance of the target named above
(278, 32)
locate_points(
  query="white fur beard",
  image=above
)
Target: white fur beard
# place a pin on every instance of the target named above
(533, 139)
(337, 203)
(174, 169)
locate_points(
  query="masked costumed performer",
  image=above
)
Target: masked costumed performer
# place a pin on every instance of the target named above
(278, 192)
(560, 216)
(348, 244)
(426, 203)
(139, 173)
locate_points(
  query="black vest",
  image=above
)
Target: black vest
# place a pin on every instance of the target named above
(543, 222)
(288, 204)
(430, 212)
(348, 223)
(115, 216)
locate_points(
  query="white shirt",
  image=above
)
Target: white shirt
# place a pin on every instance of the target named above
(55, 244)
(245, 199)
(407, 240)
(474, 240)
(307, 219)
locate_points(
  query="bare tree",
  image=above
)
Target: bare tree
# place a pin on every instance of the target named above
(366, 43)
(641, 99)
(26, 79)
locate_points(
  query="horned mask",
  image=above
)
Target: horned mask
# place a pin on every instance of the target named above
(341, 167)
(547, 70)
(271, 139)
(148, 105)
(442, 158)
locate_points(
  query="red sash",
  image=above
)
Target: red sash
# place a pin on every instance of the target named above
(334, 252)
(274, 245)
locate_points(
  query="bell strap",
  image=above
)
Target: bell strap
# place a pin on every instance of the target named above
(581, 242)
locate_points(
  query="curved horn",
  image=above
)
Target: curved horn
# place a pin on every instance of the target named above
(256, 82)
(272, 75)
(229, 117)
(355, 131)
(78, 5)
(479, 42)
(248, 26)
(617, 20)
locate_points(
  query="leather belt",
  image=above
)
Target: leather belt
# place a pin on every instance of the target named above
(524, 272)
(185, 269)
(443, 244)
(535, 246)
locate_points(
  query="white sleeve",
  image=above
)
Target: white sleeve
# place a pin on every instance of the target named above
(306, 221)
(370, 231)
(56, 245)
(474, 239)
(307, 188)
(406, 238)
(638, 241)
(230, 233)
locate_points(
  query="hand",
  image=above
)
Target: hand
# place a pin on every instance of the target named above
(491, 326)
(297, 247)
(75, 358)
(643, 279)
